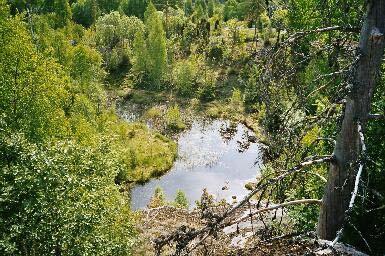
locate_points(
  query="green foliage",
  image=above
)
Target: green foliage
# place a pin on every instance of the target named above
(61, 148)
(114, 35)
(188, 7)
(158, 199)
(150, 10)
(4, 9)
(173, 119)
(32, 89)
(210, 8)
(174, 25)
(207, 88)
(150, 51)
(156, 47)
(280, 19)
(140, 53)
(185, 77)
(86, 65)
(250, 10)
(236, 34)
(106, 6)
(252, 88)
(63, 12)
(61, 197)
(189, 34)
(133, 7)
(216, 49)
(181, 200)
(266, 29)
(230, 10)
(85, 12)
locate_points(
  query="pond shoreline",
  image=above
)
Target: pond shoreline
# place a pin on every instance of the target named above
(212, 154)
(155, 117)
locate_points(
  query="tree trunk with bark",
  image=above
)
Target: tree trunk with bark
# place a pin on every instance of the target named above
(347, 150)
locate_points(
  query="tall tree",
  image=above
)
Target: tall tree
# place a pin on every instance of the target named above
(156, 45)
(140, 49)
(134, 7)
(188, 7)
(63, 12)
(149, 11)
(210, 8)
(85, 12)
(343, 170)
(107, 6)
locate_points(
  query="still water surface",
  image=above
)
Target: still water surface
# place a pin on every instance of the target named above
(213, 155)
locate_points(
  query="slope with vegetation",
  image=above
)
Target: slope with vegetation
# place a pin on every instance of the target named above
(289, 67)
(62, 148)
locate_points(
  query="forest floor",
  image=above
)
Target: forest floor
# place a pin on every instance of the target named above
(229, 241)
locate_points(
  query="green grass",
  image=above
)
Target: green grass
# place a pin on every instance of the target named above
(144, 153)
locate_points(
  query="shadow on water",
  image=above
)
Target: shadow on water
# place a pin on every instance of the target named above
(216, 155)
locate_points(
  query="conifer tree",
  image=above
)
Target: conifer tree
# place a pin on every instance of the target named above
(133, 7)
(63, 12)
(181, 199)
(149, 11)
(156, 45)
(188, 7)
(140, 52)
(210, 8)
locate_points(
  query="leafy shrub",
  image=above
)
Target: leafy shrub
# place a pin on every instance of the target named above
(184, 76)
(114, 36)
(61, 197)
(150, 51)
(207, 88)
(215, 49)
(173, 119)
(236, 100)
(85, 12)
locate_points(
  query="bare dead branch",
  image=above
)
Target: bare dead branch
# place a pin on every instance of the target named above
(376, 209)
(294, 202)
(300, 34)
(360, 234)
(319, 176)
(376, 116)
(184, 235)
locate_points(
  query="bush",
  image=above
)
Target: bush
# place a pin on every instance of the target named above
(236, 100)
(207, 88)
(158, 199)
(173, 119)
(184, 77)
(114, 37)
(61, 196)
(85, 12)
(181, 200)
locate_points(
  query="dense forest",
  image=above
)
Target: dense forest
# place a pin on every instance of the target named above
(304, 76)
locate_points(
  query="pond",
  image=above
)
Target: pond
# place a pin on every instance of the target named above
(216, 155)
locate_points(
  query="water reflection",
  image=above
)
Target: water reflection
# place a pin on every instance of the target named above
(212, 155)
